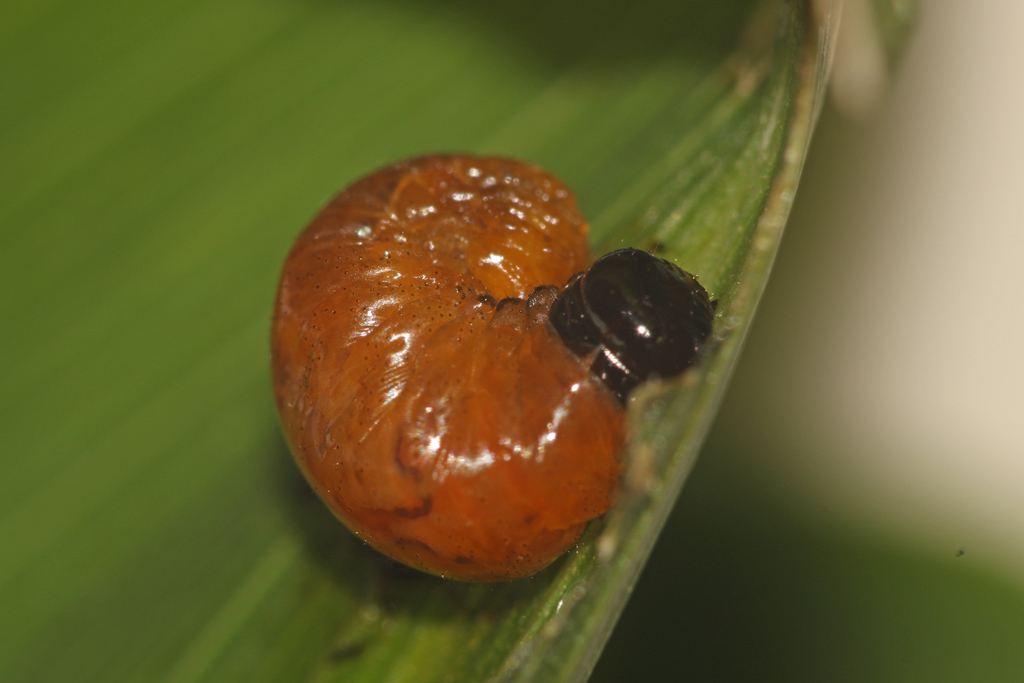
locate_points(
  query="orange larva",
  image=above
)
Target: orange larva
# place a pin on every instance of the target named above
(423, 389)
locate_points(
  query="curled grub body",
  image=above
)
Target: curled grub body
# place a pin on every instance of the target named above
(420, 385)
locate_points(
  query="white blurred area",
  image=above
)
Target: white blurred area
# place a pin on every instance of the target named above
(892, 334)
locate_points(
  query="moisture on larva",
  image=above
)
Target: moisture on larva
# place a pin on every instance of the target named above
(432, 436)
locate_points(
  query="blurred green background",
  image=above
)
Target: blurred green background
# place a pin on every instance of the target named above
(156, 161)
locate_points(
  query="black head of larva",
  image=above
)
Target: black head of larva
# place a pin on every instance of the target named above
(646, 316)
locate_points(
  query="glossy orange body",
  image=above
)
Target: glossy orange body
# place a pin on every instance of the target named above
(420, 387)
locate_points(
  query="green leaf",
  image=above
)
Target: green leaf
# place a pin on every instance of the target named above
(158, 159)
(895, 19)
